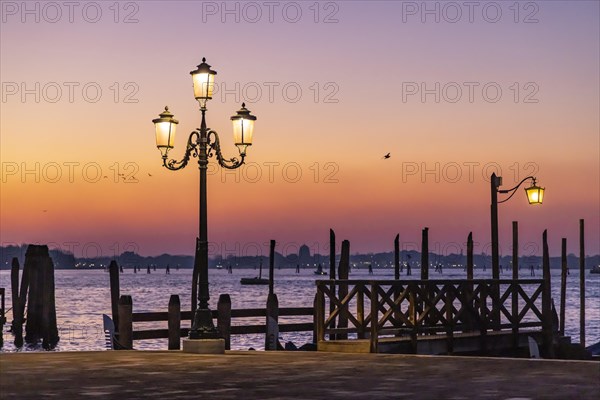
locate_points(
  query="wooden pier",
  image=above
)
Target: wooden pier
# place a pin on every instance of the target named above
(480, 316)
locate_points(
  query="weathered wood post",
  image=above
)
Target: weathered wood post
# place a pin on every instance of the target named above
(316, 318)
(126, 322)
(424, 274)
(320, 313)
(41, 308)
(581, 283)
(374, 339)
(113, 270)
(272, 331)
(174, 322)
(14, 289)
(332, 276)
(448, 300)
(224, 318)
(470, 302)
(425, 254)
(397, 257)
(397, 276)
(19, 308)
(547, 300)
(343, 288)
(49, 327)
(514, 285)
(563, 285)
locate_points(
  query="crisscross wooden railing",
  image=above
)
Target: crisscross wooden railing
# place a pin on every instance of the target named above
(424, 307)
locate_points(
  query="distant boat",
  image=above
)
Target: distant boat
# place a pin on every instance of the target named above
(320, 271)
(259, 280)
(595, 269)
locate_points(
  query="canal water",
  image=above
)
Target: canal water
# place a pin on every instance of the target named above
(82, 296)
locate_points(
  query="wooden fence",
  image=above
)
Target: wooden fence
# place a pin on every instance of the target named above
(426, 307)
(223, 315)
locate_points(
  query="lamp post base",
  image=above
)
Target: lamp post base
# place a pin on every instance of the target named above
(202, 325)
(204, 346)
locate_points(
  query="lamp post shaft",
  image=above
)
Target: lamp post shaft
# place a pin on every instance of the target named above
(202, 325)
(494, 224)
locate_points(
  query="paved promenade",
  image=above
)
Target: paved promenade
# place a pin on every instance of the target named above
(289, 375)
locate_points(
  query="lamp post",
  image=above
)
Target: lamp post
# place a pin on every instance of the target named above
(535, 195)
(203, 143)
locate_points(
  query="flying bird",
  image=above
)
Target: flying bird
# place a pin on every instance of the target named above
(150, 175)
(387, 156)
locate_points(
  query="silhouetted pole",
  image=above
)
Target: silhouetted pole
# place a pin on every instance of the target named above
(272, 334)
(581, 283)
(547, 299)
(494, 183)
(515, 250)
(271, 266)
(174, 322)
(470, 256)
(332, 275)
(425, 254)
(514, 286)
(126, 322)
(113, 270)
(397, 257)
(343, 288)
(331, 254)
(14, 287)
(563, 285)
(224, 319)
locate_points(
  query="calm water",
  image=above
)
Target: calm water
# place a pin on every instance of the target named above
(83, 296)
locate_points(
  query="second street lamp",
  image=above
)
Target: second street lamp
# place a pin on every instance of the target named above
(535, 195)
(203, 143)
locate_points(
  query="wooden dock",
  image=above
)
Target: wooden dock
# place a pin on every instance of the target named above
(289, 375)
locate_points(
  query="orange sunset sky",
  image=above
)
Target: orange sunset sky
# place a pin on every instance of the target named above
(335, 86)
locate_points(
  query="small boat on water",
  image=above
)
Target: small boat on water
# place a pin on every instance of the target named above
(595, 269)
(259, 280)
(320, 271)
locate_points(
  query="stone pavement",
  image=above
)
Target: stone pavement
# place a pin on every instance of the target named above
(289, 375)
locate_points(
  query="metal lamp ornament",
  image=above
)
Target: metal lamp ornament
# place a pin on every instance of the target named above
(203, 143)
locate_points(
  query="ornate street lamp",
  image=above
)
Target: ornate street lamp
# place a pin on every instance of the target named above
(202, 144)
(535, 195)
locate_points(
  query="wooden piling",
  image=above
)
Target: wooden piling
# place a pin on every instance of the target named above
(14, 288)
(332, 275)
(126, 322)
(581, 283)
(425, 254)
(470, 256)
(563, 285)
(471, 305)
(343, 288)
(514, 284)
(113, 270)
(49, 326)
(397, 257)
(174, 322)
(547, 300)
(19, 310)
(224, 319)
(272, 322)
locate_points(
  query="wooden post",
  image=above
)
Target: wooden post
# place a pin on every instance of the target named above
(271, 266)
(316, 319)
(320, 314)
(469, 298)
(397, 257)
(581, 283)
(49, 326)
(19, 310)
(360, 311)
(332, 275)
(2, 316)
(563, 285)
(374, 319)
(174, 322)
(113, 270)
(272, 331)
(425, 254)
(343, 288)
(14, 288)
(514, 285)
(483, 293)
(224, 318)
(547, 300)
(126, 322)
(449, 317)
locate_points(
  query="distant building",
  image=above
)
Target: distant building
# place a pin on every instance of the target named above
(304, 255)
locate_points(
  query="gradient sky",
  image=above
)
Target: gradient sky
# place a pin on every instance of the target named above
(355, 73)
